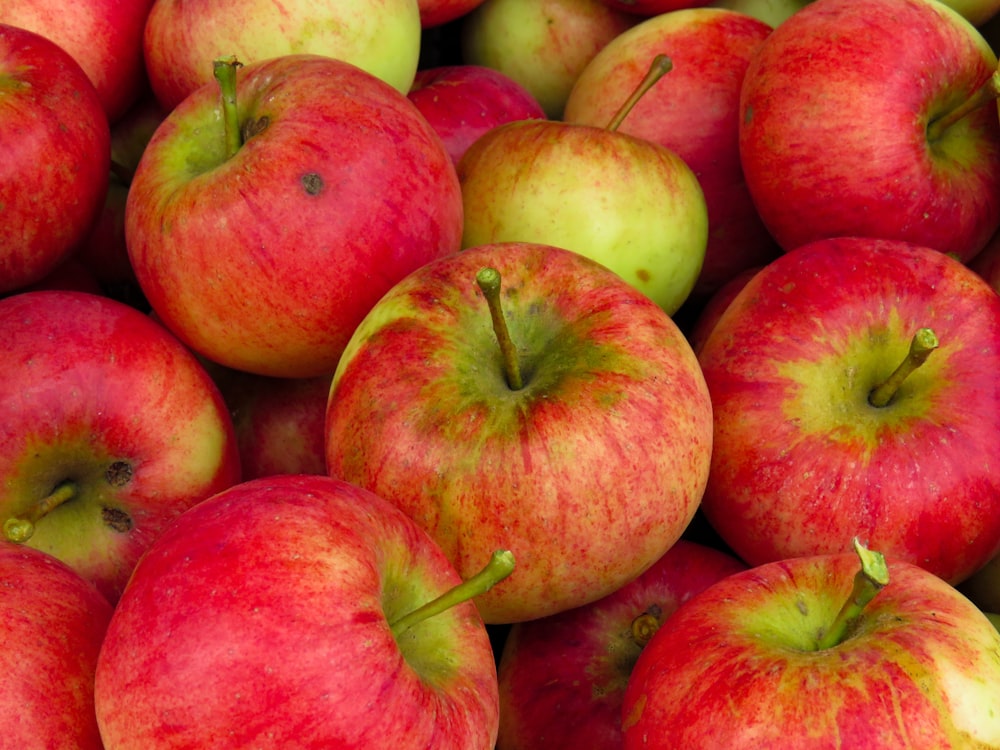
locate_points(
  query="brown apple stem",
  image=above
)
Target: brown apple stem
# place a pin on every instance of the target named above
(224, 70)
(19, 529)
(488, 280)
(923, 343)
(500, 566)
(644, 626)
(986, 93)
(868, 581)
(660, 66)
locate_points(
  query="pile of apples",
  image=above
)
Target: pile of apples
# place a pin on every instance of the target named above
(500, 374)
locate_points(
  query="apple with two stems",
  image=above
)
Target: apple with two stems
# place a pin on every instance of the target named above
(626, 202)
(854, 392)
(694, 113)
(298, 611)
(54, 174)
(110, 429)
(562, 678)
(462, 102)
(182, 38)
(841, 134)
(264, 226)
(541, 44)
(53, 624)
(530, 399)
(812, 652)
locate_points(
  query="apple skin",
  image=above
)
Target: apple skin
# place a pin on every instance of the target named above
(541, 44)
(694, 112)
(260, 618)
(562, 678)
(309, 246)
(54, 173)
(434, 13)
(588, 474)
(462, 102)
(772, 12)
(626, 202)
(738, 666)
(103, 36)
(99, 396)
(802, 462)
(53, 624)
(182, 38)
(816, 111)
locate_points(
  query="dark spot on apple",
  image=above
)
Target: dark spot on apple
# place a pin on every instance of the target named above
(748, 115)
(119, 473)
(802, 607)
(116, 519)
(254, 127)
(643, 275)
(313, 183)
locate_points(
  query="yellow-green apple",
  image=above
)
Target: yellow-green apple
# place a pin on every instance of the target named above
(541, 44)
(562, 416)
(828, 426)
(289, 611)
(562, 678)
(812, 652)
(182, 38)
(628, 203)
(103, 36)
(694, 112)
(110, 429)
(436, 13)
(264, 252)
(53, 624)
(840, 135)
(54, 173)
(771, 12)
(462, 102)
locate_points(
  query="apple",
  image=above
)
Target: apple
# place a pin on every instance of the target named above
(812, 653)
(53, 624)
(111, 428)
(103, 36)
(436, 13)
(529, 399)
(987, 262)
(828, 426)
(562, 678)
(649, 8)
(841, 135)
(771, 12)
(626, 202)
(541, 44)
(54, 174)
(183, 38)
(71, 274)
(289, 612)
(264, 253)
(694, 112)
(462, 102)
(709, 312)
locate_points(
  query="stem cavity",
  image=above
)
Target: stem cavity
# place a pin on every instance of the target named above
(488, 280)
(988, 92)
(19, 529)
(873, 576)
(660, 66)
(224, 70)
(923, 343)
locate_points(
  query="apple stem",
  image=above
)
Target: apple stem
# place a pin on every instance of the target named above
(988, 92)
(20, 529)
(500, 566)
(488, 280)
(923, 343)
(225, 73)
(660, 66)
(644, 626)
(868, 581)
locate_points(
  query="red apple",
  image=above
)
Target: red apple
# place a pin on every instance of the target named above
(581, 443)
(653, 7)
(694, 112)
(806, 653)
(462, 102)
(103, 36)
(435, 13)
(111, 428)
(821, 431)
(709, 312)
(844, 134)
(563, 677)
(264, 255)
(278, 614)
(54, 173)
(53, 624)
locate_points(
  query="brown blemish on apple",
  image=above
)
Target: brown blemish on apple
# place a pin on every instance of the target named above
(312, 183)
(644, 275)
(116, 519)
(255, 127)
(635, 714)
(119, 473)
